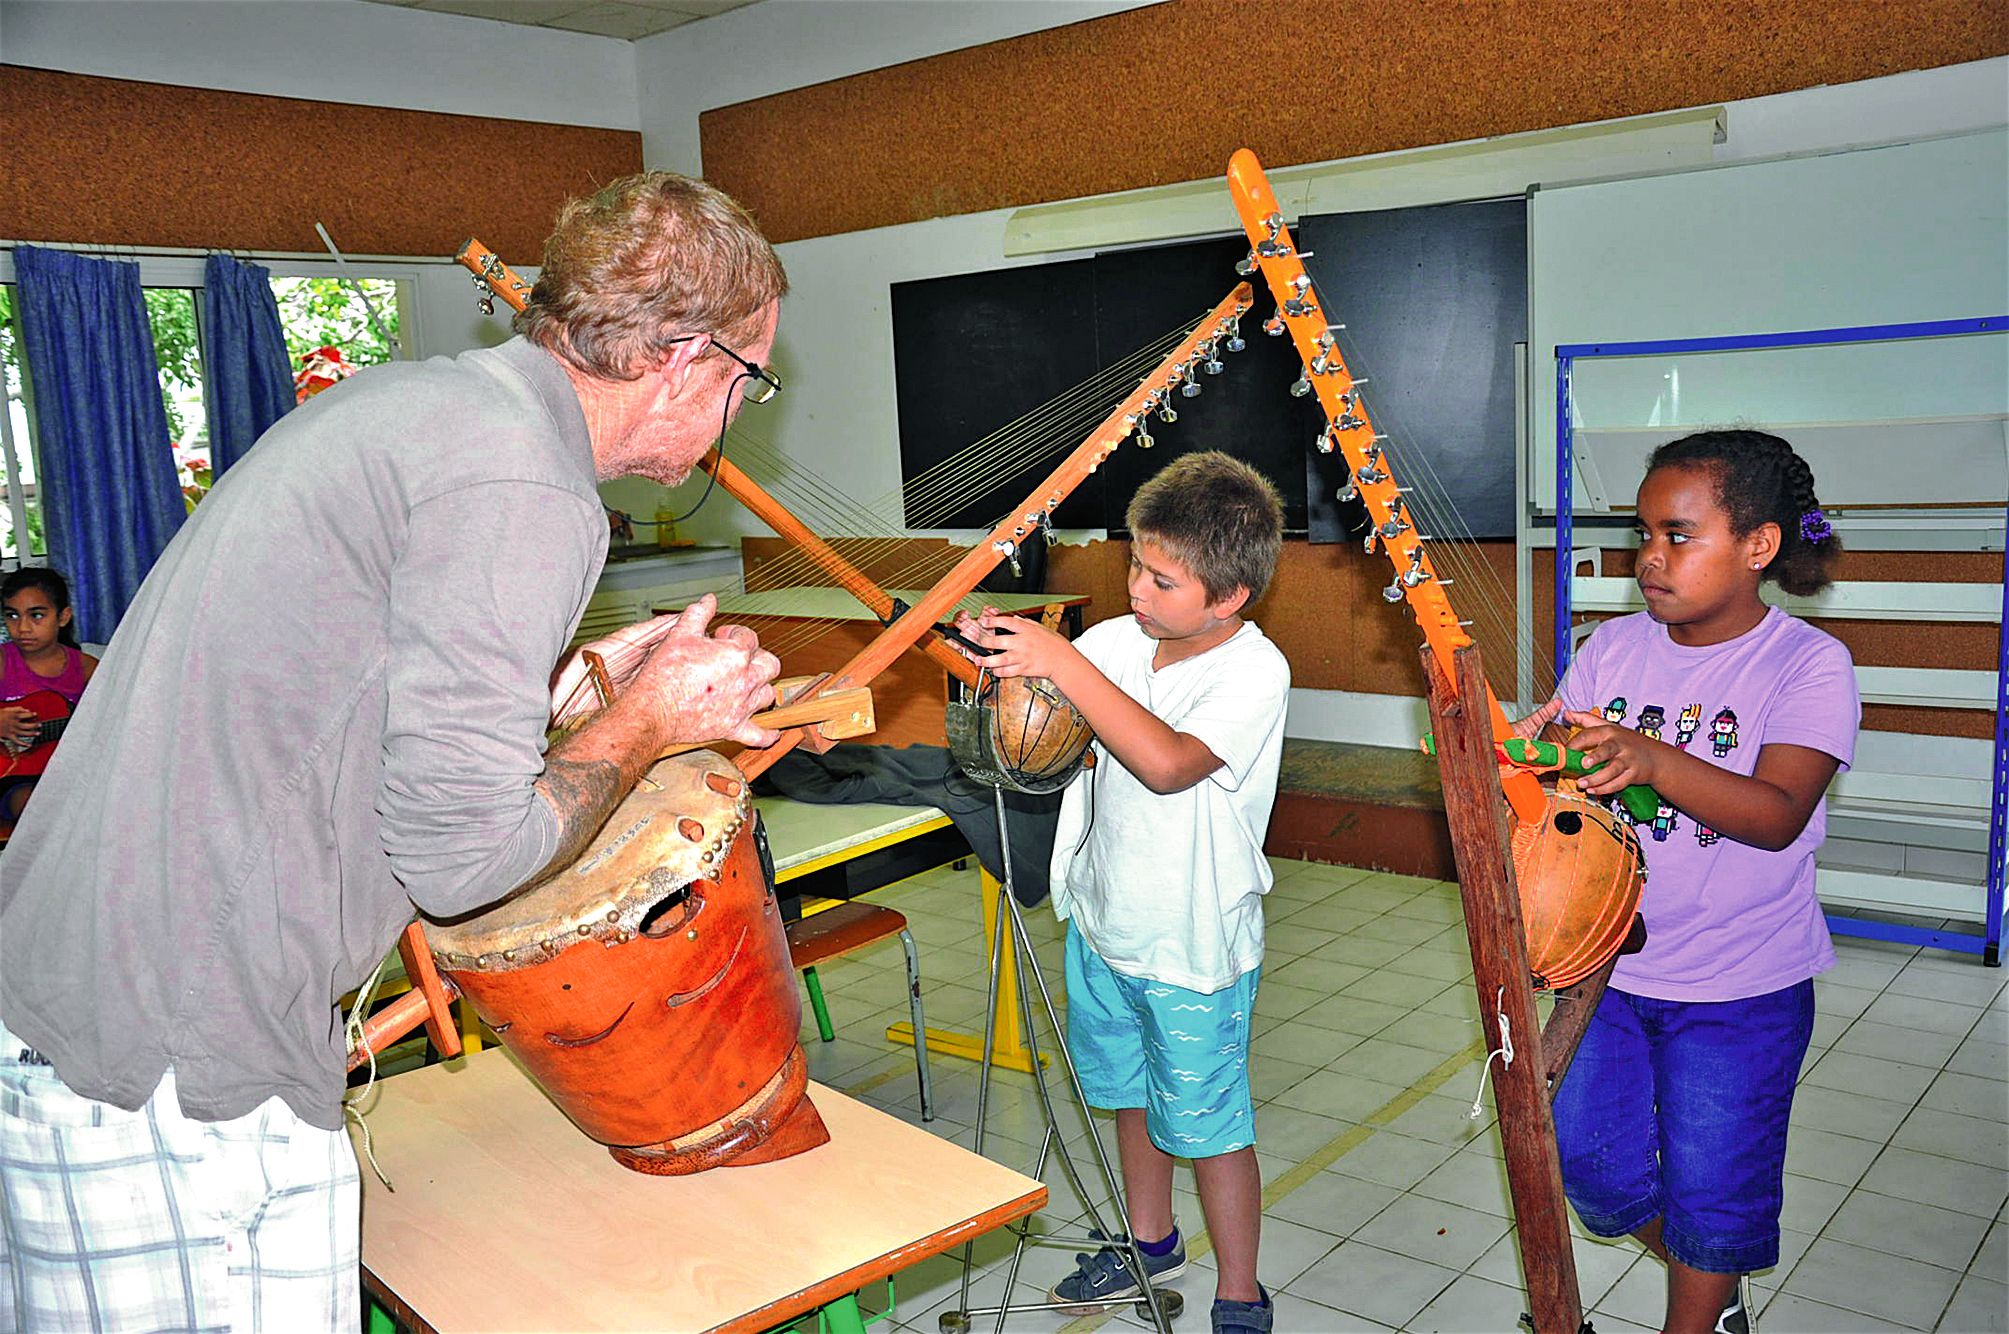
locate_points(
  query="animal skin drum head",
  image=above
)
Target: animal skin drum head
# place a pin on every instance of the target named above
(672, 830)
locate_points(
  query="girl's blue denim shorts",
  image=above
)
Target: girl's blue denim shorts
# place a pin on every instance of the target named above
(1677, 1110)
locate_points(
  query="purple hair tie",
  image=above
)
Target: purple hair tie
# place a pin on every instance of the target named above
(1814, 526)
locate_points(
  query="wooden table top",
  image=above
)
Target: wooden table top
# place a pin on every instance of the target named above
(806, 837)
(505, 1217)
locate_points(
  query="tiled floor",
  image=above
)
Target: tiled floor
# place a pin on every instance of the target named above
(1387, 1205)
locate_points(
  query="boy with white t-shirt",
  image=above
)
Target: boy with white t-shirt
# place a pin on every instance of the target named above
(1158, 864)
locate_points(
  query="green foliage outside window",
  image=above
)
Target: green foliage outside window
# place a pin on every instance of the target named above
(325, 312)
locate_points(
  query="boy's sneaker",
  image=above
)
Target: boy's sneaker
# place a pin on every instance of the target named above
(1103, 1279)
(1244, 1317)
(1736, 1317)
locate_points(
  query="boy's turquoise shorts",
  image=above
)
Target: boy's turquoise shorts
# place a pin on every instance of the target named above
(1183, 1056)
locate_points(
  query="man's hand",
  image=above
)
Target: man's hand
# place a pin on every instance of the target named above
(17, 727)
(705, 687)
(1026, 648)
(696, 687)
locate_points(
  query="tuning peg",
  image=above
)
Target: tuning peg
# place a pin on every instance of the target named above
(1235, 343)
(1300, 305)
(1324, 442)
(1274, 326)
(1144, 440)
(1299, 282)
(1167, 413)
(1301, 387)
(1394, 592)
(1246, 266)
(1349, 492)
(1213, 364)
(1324, 364)
(1415, 574)
(1190, 389)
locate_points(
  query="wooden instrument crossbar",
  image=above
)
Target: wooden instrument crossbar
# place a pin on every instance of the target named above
(1350, 430)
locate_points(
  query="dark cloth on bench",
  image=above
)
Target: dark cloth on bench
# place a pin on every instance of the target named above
(927, 776)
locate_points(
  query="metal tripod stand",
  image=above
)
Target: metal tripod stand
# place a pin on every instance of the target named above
(1161, 1306)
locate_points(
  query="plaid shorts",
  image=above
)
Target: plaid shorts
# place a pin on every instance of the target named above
(148, 1220)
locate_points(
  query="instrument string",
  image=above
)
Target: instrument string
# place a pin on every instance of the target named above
(871, 538)
(1052, 430)
(1453, 549)
(937, 494)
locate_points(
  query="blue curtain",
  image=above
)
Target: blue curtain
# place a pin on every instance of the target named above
(244, 358)
(110, 497)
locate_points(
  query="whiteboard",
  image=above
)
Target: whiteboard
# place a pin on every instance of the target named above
(1903, 233)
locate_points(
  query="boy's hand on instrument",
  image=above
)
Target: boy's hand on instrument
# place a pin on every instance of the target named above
(705, 686)
(1622, 756)
(1024, 648)
(1530, 727)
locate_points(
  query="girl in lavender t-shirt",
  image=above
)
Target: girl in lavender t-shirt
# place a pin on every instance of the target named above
(1672, 1120)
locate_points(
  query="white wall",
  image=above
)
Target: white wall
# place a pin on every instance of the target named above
(335, 51)
(782, 44)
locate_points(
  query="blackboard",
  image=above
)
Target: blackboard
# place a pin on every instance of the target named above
(1435, 299)
(976, 351)
(973, 353)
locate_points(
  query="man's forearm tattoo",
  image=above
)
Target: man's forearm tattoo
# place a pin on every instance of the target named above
(583, 793)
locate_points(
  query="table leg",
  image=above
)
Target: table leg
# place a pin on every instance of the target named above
(1010, 1051)
(843, 1316)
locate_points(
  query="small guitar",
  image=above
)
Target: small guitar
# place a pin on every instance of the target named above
(52, 712)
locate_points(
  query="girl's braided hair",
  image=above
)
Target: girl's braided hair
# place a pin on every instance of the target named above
(1760, 480)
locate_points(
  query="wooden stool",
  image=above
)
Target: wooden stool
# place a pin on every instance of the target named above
(839, 930)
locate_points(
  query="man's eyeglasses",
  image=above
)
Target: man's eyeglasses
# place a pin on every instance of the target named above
(766, 384)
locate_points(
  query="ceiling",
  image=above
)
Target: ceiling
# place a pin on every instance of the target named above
(627, 19)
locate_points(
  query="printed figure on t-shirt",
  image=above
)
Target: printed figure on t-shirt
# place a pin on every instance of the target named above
(1685, 726)
(1651, 719)
(1723, 734)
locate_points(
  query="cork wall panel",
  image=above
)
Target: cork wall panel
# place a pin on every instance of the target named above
(116, 162)
(1326, 613)
(1165, 93)
(1324, 610)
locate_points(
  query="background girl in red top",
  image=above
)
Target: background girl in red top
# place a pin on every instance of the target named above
(40, 653)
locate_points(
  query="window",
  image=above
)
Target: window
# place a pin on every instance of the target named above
(21, 517)
(177, 351)
(317, 311)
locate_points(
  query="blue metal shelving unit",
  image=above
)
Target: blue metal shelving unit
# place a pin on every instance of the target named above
(1988, 942)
